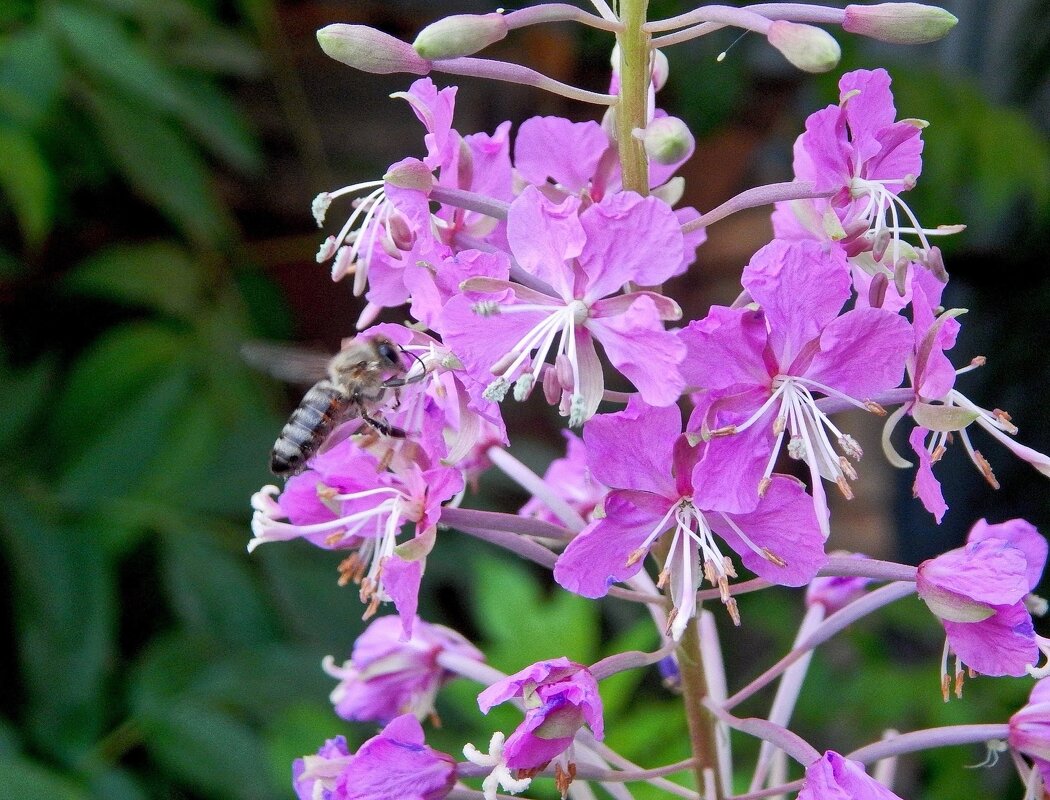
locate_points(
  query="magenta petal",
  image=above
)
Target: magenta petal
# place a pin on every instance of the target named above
(926, 487)
(645, 468)
(543, 235)
(612, 255)
(556, 148)
(871, 107)
(397, 763)
(991, 572)
(725, 348)
(1003, 644)
(785, 524)
(834, 777)
(1020, 534)
(822, 154)
(639, 347)
(401, 581)
(501, 691)
(801, 287)
(862, 352)
(597, 557)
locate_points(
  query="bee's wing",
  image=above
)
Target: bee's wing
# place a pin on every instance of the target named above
(286, 362)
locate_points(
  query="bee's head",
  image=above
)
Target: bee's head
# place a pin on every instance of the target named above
(388, 352)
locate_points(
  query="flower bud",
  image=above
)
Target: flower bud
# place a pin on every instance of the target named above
(899, 23)
(668, 140)
(808, 48)
(410, 174)
(370, 50)
(460, 35)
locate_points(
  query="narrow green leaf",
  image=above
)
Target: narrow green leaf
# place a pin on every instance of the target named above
(65, 611)
(159, 275)
(160, 166)
(214, 121)
(22, 398)
(220, 51)
(25, 179)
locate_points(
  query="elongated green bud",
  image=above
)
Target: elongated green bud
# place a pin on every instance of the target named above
(899, 23)
(460, 35)
(809, 48)
(370, 50)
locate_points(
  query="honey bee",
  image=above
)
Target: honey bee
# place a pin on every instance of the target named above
(358, 378)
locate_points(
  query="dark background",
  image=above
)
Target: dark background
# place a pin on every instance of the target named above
(157, 163)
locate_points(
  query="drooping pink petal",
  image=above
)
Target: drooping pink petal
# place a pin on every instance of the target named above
(926, 487)
(397, 763)
(1003, 644)
(990, 572)
(401, 580)
(834, 777)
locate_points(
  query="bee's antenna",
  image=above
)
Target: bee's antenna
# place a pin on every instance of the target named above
(418, 360)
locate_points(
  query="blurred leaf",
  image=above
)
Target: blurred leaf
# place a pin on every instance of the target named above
(525, 627)
(23, 396)
(161, 166)
(108, 378)
(26, 181)
(221, 51)
(24, 780)
(298, 731)
(208, 749)
(618, 690)
(30, 75)
(64, 598)
(128, 441)
(159, 275)
(211, 591)
(115, 784)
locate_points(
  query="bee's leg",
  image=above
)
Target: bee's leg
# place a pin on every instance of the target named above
(384, 428)
(397, 398)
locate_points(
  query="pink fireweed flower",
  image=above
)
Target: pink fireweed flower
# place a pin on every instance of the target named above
(858, 151)
(559, 697)
(570, 479)
(978, 592)
(345, 502)
(835, 777)
(395, 763)
(386, 677)
(656, 491)
(578, 256)
(941, 412)
(760, 370)
(1030, 736)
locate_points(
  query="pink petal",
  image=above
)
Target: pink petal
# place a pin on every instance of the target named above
(647, 468)
(725, 348)
(1003, 644)
(543, 235)
(862, 352)
(553, 147)
(989, 571)
(1020, 534)
(926, 487)
(401, 581)
(785, 524)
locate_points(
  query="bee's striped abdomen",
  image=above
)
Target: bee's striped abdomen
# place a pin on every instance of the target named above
(321, 409)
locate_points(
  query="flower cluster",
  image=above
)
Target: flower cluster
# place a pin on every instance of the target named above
(535, 259)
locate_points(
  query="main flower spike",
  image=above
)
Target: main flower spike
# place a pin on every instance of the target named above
(578, 258)
(657, 490)
(760, 369)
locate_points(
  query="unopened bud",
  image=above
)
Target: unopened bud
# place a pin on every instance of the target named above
(459, 35)
(370, 50)
(401, 234)
(899, 23)
(808, 48)
(411, 174)
(668, 140)
(661, 70)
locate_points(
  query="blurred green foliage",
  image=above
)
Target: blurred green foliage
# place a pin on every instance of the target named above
(146, 655)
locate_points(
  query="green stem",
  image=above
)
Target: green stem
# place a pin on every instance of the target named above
(701, 722)
(634, 92)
